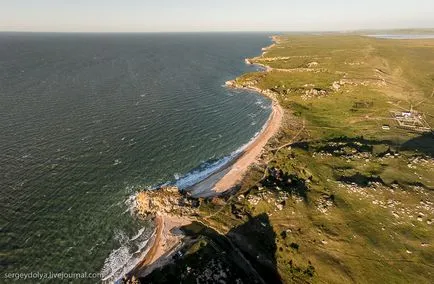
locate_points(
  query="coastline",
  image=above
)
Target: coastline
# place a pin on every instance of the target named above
(321, 159)
(253, 151)
(168, 238)
(165, 242)
(231, 175)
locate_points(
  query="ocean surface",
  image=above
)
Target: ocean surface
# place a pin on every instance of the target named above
(86, 120)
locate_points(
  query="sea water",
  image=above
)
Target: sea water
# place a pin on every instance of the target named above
(86, 120)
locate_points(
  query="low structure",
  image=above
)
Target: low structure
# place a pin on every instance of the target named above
(411, 120)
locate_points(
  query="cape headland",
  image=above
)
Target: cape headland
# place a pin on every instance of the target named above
(338, 185)
(171, 208)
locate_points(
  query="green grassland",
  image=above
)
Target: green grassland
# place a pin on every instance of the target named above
(346, 200)
(362, 216)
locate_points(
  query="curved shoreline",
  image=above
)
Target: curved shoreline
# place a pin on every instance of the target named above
(252, 152)
(165, 242)
(231, 175)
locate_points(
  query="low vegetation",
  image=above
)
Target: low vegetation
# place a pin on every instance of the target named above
(343, 194)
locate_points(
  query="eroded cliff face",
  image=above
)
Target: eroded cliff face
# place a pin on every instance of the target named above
(167, 200)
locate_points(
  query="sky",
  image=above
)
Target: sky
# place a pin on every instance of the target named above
(213, 15)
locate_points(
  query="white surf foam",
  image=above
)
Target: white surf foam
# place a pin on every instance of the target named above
(139, 233)
(209, 168)
(125, 258)
(133, 250)
(205, 171)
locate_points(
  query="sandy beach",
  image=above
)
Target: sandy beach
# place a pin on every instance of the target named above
(230, 176)
(252, 153)
(165, 241)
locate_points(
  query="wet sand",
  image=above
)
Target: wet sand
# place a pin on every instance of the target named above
(232, 175)
(166, 240)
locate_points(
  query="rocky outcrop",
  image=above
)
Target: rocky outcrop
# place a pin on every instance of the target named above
(312, 64)
(313, 93)
(251, 86)
(168, 200)
(336, 86)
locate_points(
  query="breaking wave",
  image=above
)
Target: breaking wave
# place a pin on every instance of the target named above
(212, 166)
(131, 251)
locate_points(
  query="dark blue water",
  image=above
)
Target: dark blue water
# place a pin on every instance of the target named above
(88, 119)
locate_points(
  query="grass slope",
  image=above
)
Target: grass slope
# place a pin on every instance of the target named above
(347, 201)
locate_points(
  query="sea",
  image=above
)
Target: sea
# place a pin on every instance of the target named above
(88, 120)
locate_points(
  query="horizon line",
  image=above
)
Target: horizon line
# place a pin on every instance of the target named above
(224, 31)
